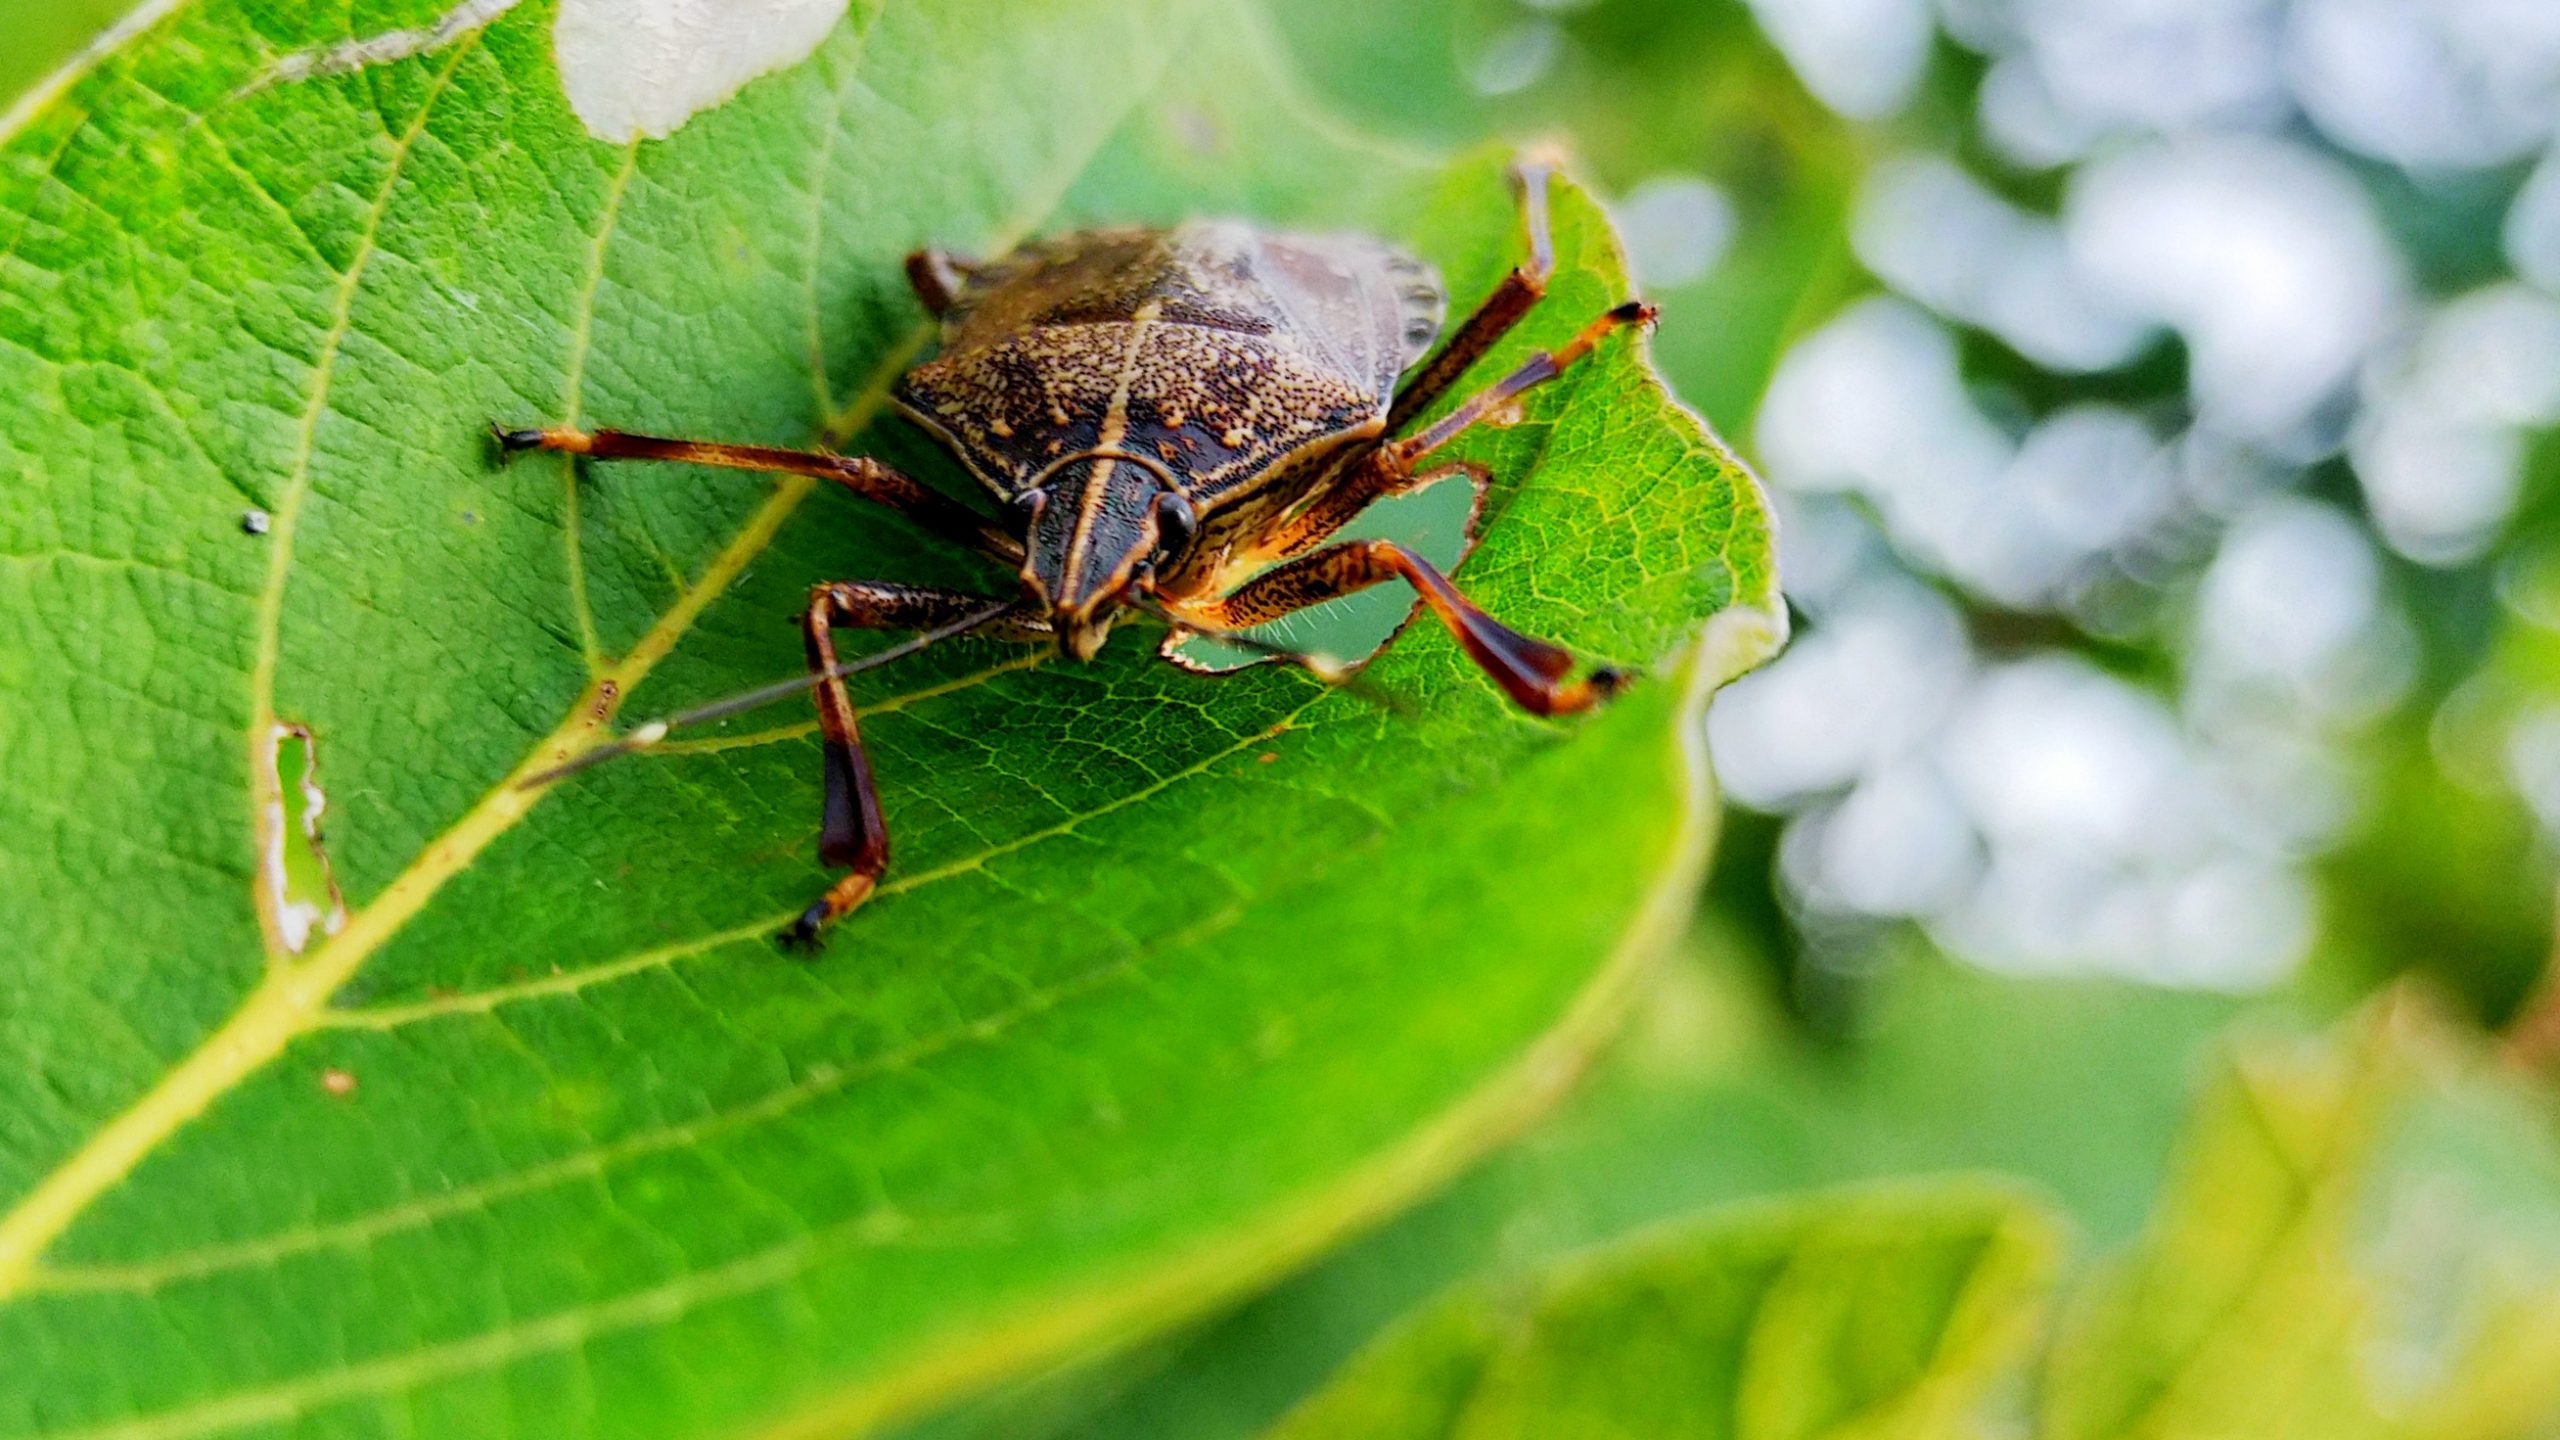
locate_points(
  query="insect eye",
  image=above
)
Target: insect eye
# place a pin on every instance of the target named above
(1176, 523)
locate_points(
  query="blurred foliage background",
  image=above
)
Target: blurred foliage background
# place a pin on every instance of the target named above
(2158, 395)
(2161, 398)
(2160, 402)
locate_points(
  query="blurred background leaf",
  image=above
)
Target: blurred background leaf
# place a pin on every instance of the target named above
(1883, 1315)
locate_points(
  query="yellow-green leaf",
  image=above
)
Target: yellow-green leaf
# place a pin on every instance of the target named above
(1888, 1314)
(1175, 979)
(2327, 1262)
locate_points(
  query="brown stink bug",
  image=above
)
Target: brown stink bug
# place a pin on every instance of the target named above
(1173, 422)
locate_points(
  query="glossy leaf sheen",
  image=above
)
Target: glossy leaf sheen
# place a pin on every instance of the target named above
(1176, 978)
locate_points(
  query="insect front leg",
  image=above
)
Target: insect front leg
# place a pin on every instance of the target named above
(936, 276)
(1532, 672)
(851, 832)
(861, 474)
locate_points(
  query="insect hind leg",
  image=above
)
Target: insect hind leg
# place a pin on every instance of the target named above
(1493, 318)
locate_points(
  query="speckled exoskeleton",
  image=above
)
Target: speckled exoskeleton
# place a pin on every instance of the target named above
(1173, 421)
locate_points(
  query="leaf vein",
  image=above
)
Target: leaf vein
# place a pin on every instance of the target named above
(573, 394)
(291, 1001)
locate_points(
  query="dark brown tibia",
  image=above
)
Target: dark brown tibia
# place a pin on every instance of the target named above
(861, 474)
(851, 833)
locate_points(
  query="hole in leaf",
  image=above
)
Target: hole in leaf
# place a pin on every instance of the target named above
(295, 889)
(1433, 522)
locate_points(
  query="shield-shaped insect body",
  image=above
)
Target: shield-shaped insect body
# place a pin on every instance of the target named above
(1177, 422)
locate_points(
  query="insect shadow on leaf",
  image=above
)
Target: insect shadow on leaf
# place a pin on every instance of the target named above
(1176, 422)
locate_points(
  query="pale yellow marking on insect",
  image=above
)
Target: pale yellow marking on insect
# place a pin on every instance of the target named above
(1115, 425)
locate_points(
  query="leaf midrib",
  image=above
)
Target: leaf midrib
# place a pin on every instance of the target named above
(293, 998)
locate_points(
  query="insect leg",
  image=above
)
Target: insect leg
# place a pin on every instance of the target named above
(851, 832)
(936, 276)
(1374, 479)
(861, 474)
(1537, 370)
(1501, 310)
(1532, 672)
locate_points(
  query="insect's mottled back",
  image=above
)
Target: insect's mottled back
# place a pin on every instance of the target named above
(1213, 350)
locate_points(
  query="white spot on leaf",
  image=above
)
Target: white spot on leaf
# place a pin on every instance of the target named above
(296, 892)
(353, 55)
(644, 67)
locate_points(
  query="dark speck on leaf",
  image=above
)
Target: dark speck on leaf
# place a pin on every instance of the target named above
(253, 522)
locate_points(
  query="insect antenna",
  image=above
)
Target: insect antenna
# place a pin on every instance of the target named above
(648, 734)
(1331, 671)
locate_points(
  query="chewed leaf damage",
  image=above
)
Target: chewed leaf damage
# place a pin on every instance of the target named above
(349, 56)
(631, 68)
(297, 894)
(637, 68)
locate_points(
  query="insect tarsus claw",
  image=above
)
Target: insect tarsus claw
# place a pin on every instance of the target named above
(805, 936)
(1606, 682)
(511, 441)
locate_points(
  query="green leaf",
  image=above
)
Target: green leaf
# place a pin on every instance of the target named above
(2357, 1236)
(2076, 1088)
(2360, 1239)
(1883, 1315)
(1176, 979)
(42, 37)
